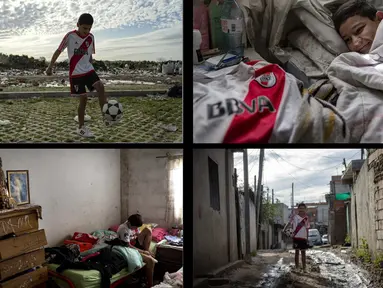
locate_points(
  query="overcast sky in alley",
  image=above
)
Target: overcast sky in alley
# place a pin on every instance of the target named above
(123, 29)
(309, 169)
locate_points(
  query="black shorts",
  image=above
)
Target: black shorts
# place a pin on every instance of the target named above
(300, 244)
(78, 84)
(138, 245)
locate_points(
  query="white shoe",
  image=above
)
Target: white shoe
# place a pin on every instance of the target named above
(86, 118)
(85, 132)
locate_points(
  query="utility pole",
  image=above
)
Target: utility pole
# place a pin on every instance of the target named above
(259, 192)
(292, 197)
(272, 196)
(247, 202)
(344, 163)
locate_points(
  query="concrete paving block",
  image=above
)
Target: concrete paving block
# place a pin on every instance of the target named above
(61, 94)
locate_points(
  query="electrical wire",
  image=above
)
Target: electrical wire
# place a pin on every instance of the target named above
(292, 175)
(334, 167)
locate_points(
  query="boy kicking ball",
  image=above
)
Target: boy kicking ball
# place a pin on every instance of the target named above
(300, 225)
(80, 46)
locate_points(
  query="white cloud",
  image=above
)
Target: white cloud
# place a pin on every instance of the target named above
(311, 179)
(36, 27)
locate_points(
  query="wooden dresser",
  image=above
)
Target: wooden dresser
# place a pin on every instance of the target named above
(22, 256)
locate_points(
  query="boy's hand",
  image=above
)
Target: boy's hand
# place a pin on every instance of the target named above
(49, 71)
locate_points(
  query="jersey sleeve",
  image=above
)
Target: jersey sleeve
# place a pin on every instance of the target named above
(121, 233)
(93, 46)
(64, 43)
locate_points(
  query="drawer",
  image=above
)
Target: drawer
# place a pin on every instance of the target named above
(28, 280)
(21, 263)
(19, 245)
(18, 223)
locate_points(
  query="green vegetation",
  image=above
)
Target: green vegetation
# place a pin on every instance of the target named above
(378, 260)
(363, 253)
(347, 240)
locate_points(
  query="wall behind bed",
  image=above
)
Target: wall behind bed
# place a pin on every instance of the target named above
(78, 189)
(145, 183)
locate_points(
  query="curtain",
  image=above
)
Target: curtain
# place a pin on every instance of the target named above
(174, 203)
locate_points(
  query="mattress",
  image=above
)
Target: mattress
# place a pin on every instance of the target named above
(85, 278)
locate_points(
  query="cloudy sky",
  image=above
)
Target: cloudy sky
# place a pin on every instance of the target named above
(123, 29)
(309, 169)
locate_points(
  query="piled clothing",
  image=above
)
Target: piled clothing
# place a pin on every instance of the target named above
(106, 261)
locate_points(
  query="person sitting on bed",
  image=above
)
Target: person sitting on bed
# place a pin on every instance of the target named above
(139, 241)
(357, 22)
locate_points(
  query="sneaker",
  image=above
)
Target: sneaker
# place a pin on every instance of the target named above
(85, 132)
(86, 118)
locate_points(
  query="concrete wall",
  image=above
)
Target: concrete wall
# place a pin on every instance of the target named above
(365, 208)
(145, 183)
(214, 232)
(253, 227)
(375, 163)
(323, 214)
(78, 189)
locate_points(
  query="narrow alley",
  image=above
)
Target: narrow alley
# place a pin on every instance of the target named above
(248, 223)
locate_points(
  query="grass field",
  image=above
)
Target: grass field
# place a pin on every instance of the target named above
(51, 120)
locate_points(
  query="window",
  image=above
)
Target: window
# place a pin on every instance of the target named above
(174, 209)
(214, 185)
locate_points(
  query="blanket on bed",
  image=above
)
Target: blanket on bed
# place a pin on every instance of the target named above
(358, 79)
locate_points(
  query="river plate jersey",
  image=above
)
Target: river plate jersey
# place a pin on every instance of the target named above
(80, 50)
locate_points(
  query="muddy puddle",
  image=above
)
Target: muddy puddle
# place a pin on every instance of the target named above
(324, 269)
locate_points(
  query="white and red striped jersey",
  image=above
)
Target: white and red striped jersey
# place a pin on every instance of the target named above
(80, 50)
(258, 102)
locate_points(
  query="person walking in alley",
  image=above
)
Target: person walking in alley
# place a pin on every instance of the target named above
(300, 225)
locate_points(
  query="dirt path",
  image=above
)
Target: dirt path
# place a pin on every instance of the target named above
(273, 268)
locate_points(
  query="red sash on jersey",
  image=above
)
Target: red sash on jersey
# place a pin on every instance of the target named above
(257, 126)
(299, 226)
(76, 58)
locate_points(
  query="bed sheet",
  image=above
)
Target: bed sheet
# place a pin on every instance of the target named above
(85, 278)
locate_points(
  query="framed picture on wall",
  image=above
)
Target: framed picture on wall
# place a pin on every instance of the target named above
(18, 186)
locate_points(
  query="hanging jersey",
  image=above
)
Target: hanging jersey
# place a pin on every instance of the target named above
(80, 50)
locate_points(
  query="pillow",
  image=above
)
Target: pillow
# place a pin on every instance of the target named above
(114, 228)
(158, 234)
(326, 35)
(311, 47)
(149, 225)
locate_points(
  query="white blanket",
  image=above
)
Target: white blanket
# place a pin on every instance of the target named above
(358, 79)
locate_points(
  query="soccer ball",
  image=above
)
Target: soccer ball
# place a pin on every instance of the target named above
(112, 111)
(289, 232)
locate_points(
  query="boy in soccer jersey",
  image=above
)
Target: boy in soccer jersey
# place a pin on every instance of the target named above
(300, 224)
(80, 46)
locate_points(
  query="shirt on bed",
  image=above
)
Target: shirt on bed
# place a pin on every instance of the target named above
(126, 234)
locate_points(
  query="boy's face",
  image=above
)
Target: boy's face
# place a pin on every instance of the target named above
(359, 32)
(84, 29)
(301, 210)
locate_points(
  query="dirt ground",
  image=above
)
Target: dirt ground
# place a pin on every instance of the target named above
(276, 268)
